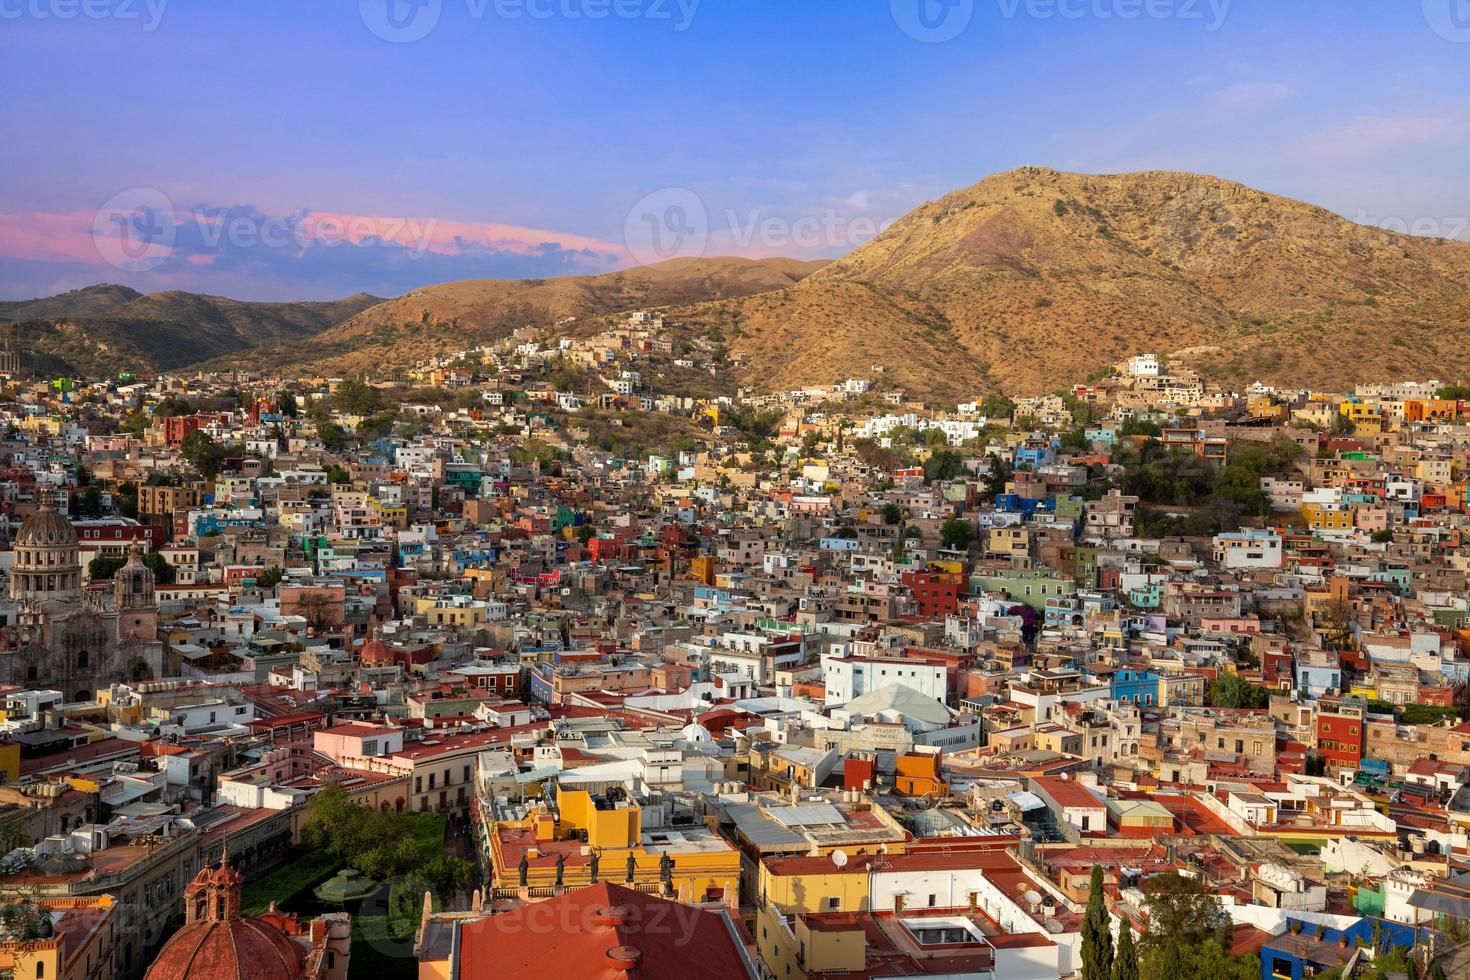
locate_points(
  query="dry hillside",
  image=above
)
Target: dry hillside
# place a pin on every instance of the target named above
(454, 316)
(1034, 279)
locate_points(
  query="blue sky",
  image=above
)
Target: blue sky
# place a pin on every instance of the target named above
(289, 151)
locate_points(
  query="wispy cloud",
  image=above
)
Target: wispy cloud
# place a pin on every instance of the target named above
(1376, 134)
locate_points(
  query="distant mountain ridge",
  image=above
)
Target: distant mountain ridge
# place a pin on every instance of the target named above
(1026, 282)
(455, 316)
(104, 329)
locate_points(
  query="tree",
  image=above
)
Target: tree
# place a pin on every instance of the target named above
(1233, 691)
(946, 464)
(1165, 963)
(1097, 937)
(957, 534)
(91, 502)
(996, 477)
(1125, 961)
(102, 568)
(357, 398)
(892, 513)
(1437, 973)
(202, 452)
(1184, 910)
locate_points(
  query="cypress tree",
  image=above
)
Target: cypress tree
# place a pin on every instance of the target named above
(1097, 938)
(1125, 962)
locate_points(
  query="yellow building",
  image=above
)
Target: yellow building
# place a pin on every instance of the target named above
(1328, 517)
(590, 838)
(813, 884)
(789, 946)
(78, 944)
(10, 761)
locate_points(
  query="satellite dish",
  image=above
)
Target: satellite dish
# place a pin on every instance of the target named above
(1033, 897)
(839, 858)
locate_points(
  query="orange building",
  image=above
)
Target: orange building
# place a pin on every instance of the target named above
(919, 774)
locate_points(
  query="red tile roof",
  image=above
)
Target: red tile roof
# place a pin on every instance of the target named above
(586, 933)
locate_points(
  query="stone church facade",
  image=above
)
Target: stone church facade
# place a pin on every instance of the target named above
(58, 636)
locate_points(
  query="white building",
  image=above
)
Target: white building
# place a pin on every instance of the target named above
(847, 678)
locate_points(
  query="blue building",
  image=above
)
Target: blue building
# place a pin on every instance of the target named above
(1136, 686)
(1315, 948)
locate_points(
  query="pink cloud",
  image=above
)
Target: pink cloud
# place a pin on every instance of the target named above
(55, 236)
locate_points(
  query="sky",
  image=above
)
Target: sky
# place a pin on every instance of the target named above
(311, 149)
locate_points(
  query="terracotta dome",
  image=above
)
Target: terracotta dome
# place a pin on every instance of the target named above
(46, 529)
(375, 651)
(243, 948)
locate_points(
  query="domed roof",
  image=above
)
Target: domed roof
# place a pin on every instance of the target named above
(375, 651)
(243, 948)
(46, 529)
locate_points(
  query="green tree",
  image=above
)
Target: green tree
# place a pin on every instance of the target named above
(1182, 910)
(1125, 960)
(202, 452)
(1097, 937)
(956, 534)
(332, 435)
(91, 502)
(1167, 962)
(892, 513)
(1437, 973)
(102, 568)
(996, 477)
(1233, 691)
(946, 464)
(358, 398)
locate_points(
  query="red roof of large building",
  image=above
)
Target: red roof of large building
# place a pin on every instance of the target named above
(605, 931)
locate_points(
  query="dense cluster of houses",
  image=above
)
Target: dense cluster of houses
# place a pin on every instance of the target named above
(869, 692)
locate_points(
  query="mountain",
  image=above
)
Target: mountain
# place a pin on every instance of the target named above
(458, 315)
(1035, 279)
(77, 302)
(105, 329)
